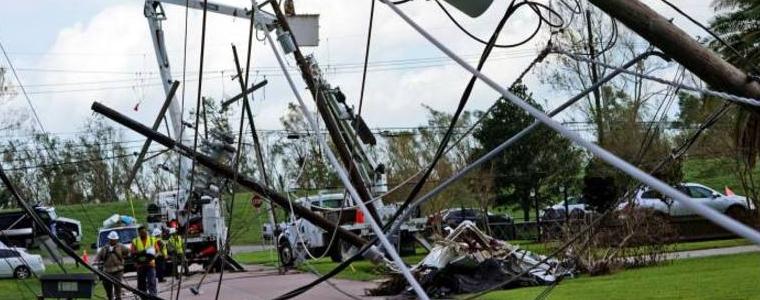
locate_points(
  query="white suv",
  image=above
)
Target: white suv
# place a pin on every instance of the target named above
(735, 206)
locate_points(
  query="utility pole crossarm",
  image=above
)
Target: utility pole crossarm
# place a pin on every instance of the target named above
(261, 16)
(676, 43)
(226, 171)
(325, 111)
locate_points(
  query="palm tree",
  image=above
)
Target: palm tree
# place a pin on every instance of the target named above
(738, 24)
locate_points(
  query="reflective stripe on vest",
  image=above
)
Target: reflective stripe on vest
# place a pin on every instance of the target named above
(137, 242)
(161, 247)
(176, 241)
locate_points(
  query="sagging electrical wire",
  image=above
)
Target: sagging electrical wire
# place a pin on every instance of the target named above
(197, 122)
(418, 186)
(673, 156)
(535, 6)
(663, 107)
(720, 40)
(723, 95)
(366, 56)
(66, 249)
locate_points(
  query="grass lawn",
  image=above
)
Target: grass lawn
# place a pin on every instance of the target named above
(246, 225)
(365, 271)
(716, 173)
(719, 277)
(20, 289)
(361, 270)
(711, 244)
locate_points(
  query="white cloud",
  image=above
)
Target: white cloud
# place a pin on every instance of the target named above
(117, 36)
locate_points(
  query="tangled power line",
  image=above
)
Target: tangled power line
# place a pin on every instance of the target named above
(539, 10)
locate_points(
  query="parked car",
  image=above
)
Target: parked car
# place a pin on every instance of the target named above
(576, 206)
(455, 216)
(735, 206)
(17, 263)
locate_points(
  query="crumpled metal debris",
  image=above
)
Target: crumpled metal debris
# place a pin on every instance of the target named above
(470, 261)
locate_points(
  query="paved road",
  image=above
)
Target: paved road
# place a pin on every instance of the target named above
(713, 252)
(260, 282)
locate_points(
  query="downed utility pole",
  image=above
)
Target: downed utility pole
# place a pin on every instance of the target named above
(227, 172)
(337, 137)
(704, 63)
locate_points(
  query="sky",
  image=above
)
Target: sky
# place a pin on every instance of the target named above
(71, 53)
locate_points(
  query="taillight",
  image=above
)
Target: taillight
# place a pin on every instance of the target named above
(359, 217)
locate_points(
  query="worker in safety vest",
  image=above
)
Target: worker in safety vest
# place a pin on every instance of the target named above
(111, 258)
(161, 255)
(144, 250)
(176, 247)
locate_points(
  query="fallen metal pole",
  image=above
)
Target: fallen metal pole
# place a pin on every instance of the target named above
(227, 172)
(620, 164)
(344, 177)
(515, 138)
(244, 95)
(333, 128)
(70, 252)
(161, 116)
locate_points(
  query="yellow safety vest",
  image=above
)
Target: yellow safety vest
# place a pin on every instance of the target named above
(177, 243)
(137, 242)
(162, 247)
(140, 248)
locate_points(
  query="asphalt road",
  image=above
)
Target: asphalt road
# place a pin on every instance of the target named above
(260, 282)
(264, 283)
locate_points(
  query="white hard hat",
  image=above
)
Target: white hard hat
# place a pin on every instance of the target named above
(156, 232)
(113, 235)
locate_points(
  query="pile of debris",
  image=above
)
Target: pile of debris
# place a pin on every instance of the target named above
(469, 261)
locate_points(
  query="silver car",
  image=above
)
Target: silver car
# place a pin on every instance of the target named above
(732, 205)
(17, 263)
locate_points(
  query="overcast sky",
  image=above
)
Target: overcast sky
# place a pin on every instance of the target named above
(71, 53)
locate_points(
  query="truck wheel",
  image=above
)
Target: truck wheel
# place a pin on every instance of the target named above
(22, 272)
(336, 254)
(286, 253)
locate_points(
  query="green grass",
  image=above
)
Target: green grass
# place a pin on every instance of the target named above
(246, 225)
(20, 289)
(719, 277)
(690, 246)
(361, 270)
(716, 173)
(365, 271)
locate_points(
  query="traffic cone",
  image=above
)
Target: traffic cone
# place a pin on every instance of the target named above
(85, 257)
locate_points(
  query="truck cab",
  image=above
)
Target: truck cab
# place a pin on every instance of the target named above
(19, 229)
(126, 235)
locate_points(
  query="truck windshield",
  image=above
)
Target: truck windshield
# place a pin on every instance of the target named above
(125, 236)
(52, 214)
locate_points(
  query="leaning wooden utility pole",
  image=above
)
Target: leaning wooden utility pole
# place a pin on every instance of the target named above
(704, 63)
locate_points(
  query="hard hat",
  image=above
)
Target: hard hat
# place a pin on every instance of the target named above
(150, 251)
(113, 235)
(156, 232)
(172, 230)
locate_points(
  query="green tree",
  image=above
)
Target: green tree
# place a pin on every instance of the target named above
(407, 153)
(537, 162)
(736, 22)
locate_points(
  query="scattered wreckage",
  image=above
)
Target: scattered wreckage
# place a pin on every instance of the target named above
(470, 261)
